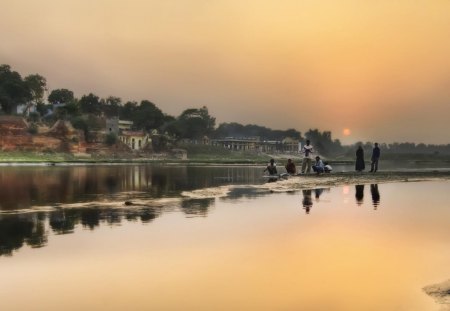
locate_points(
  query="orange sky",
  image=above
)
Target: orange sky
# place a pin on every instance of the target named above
(379, 68)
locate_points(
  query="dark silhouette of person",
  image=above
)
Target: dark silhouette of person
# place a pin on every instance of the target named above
(307, 200)
(360, 165)
(318, 192)
(359, 194)
(374, 159)
(290, 167)
(271, 167)
(375, 195)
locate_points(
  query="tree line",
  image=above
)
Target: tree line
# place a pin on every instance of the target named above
(86, 113)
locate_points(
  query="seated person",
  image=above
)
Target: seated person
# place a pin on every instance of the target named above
(327, 168)
(271, 167)
(318, 167)
(290, 167)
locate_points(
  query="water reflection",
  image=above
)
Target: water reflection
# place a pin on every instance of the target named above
(197, 207)
(375, 195)
(16, 230)
(23, 187)
(33, 228)
(307, 201)
(359, 194)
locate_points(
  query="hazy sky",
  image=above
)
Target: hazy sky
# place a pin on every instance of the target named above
(379, 68)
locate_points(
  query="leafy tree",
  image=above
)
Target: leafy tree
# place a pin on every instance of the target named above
(147, 116)
(37, 85)
(323, 142)
(90, 104)
(128, 111)
(238, 130)
(13, 90)
(111, 106)
(195, 123)
(61, 96)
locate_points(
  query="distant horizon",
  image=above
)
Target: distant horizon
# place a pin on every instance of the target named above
(372, 71)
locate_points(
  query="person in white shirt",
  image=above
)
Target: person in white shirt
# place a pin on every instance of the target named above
(307, 150)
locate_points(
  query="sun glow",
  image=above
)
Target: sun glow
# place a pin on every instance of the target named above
(346, 132)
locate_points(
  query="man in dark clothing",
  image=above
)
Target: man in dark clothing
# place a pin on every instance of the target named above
(271, 167)
(290, 167)
(375, 158)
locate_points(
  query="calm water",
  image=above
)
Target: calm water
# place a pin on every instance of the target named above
(63, 245)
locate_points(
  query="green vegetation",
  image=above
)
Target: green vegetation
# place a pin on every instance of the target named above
(212, 154)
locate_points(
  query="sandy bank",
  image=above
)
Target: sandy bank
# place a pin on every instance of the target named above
(311, 181)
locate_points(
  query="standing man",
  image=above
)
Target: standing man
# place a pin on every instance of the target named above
(375, 158)
(306, 163)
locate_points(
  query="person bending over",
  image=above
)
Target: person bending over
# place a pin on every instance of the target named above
(290, 167)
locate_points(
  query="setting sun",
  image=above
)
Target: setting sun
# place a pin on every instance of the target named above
(346, 132)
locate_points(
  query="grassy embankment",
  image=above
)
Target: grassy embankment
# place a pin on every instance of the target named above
(202, 154)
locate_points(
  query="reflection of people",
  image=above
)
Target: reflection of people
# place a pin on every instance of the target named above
(375, 195)
(318, 167)
(306, 163)
(318, 192)
(271, 167)
(375, 157)
(359, 195)
(360, 165)
(307, 200)
(290, 167)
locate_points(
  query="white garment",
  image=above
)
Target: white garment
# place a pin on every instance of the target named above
(307, 150)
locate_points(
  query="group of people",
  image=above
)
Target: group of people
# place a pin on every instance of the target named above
(360, 165)
(319, 166)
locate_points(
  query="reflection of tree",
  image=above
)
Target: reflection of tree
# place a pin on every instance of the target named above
(359, 194)
(90, 217)
(375, 195)
(58, 185)
(15, 230)
(147, 215)
(307, 200)
(197, 207)
(63, 221)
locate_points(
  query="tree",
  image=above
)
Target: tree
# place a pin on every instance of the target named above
(61, 96)
(13, 90)
(128, 110)
(111, 106)
(37, 85)
(90, 104)
(147, 116)
(195, 123)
